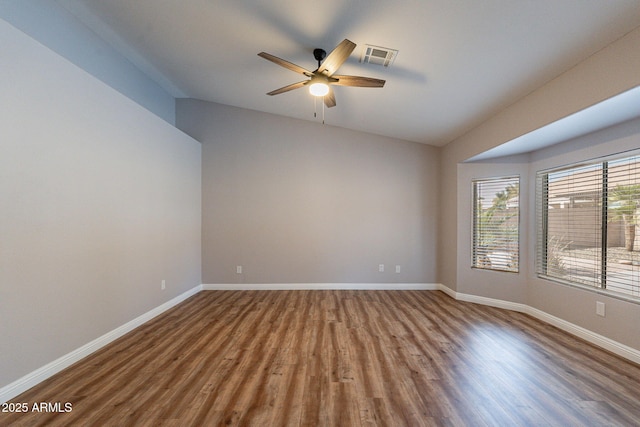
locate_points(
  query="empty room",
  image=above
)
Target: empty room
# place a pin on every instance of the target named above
(349, 213)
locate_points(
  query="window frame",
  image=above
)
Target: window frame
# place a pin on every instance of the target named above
(507, 180)
(542, 223)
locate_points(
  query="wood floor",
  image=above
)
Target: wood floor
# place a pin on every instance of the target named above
(343, 358)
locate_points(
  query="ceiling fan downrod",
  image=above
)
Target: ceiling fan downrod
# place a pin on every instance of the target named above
(319, 55)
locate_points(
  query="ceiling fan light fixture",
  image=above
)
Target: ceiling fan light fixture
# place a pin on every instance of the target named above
(318, 88)
(324, 75)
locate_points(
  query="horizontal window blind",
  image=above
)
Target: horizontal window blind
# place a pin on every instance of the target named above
(586, 222)
(573, 224)
(496, 205)
(622, 251)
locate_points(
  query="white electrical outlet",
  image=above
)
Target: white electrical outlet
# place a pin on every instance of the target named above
(397, 269)
(238, 269)
(381, 268)
(600, 308)
(163, 285)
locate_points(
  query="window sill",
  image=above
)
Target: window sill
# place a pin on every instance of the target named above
(495, 269)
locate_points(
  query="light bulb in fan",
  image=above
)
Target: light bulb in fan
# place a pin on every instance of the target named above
(318, 89)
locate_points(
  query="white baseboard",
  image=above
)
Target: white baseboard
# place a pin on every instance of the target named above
(318, 286)
(23, 384)
(620, 349)
(507, 305)
(615, 347)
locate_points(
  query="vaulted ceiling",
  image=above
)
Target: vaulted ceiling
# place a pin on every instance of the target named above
(459, 61)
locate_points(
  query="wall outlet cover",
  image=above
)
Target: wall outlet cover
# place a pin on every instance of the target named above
(600, 308)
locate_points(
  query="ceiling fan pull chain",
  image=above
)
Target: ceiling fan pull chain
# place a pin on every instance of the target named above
(323, 110)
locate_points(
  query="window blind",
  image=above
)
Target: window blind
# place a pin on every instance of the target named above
(623, 246)
(586, 222)
(573, 224)
(496, 206)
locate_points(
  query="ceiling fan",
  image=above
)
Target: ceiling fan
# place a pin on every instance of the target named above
(321, 80)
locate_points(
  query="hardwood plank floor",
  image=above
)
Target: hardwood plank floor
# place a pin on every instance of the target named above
(344, 358)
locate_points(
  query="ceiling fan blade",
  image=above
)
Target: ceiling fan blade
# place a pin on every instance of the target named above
(337, 57)
(330, 99)
(358, 81)
(286, 64)
(288, 88)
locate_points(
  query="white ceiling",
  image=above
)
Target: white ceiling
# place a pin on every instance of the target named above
(459, 62)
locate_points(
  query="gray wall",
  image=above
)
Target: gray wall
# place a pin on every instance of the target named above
(55, 27)
(491, 284)
(574, 305)
(300, 202)
(609, 72)
(99, 202)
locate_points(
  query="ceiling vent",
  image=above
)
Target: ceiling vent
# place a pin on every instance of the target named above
(378, 55)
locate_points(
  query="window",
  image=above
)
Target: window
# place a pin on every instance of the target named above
(587, 218)
(495, 223)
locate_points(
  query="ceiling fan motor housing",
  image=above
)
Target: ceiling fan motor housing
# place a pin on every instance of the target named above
(319, 55)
